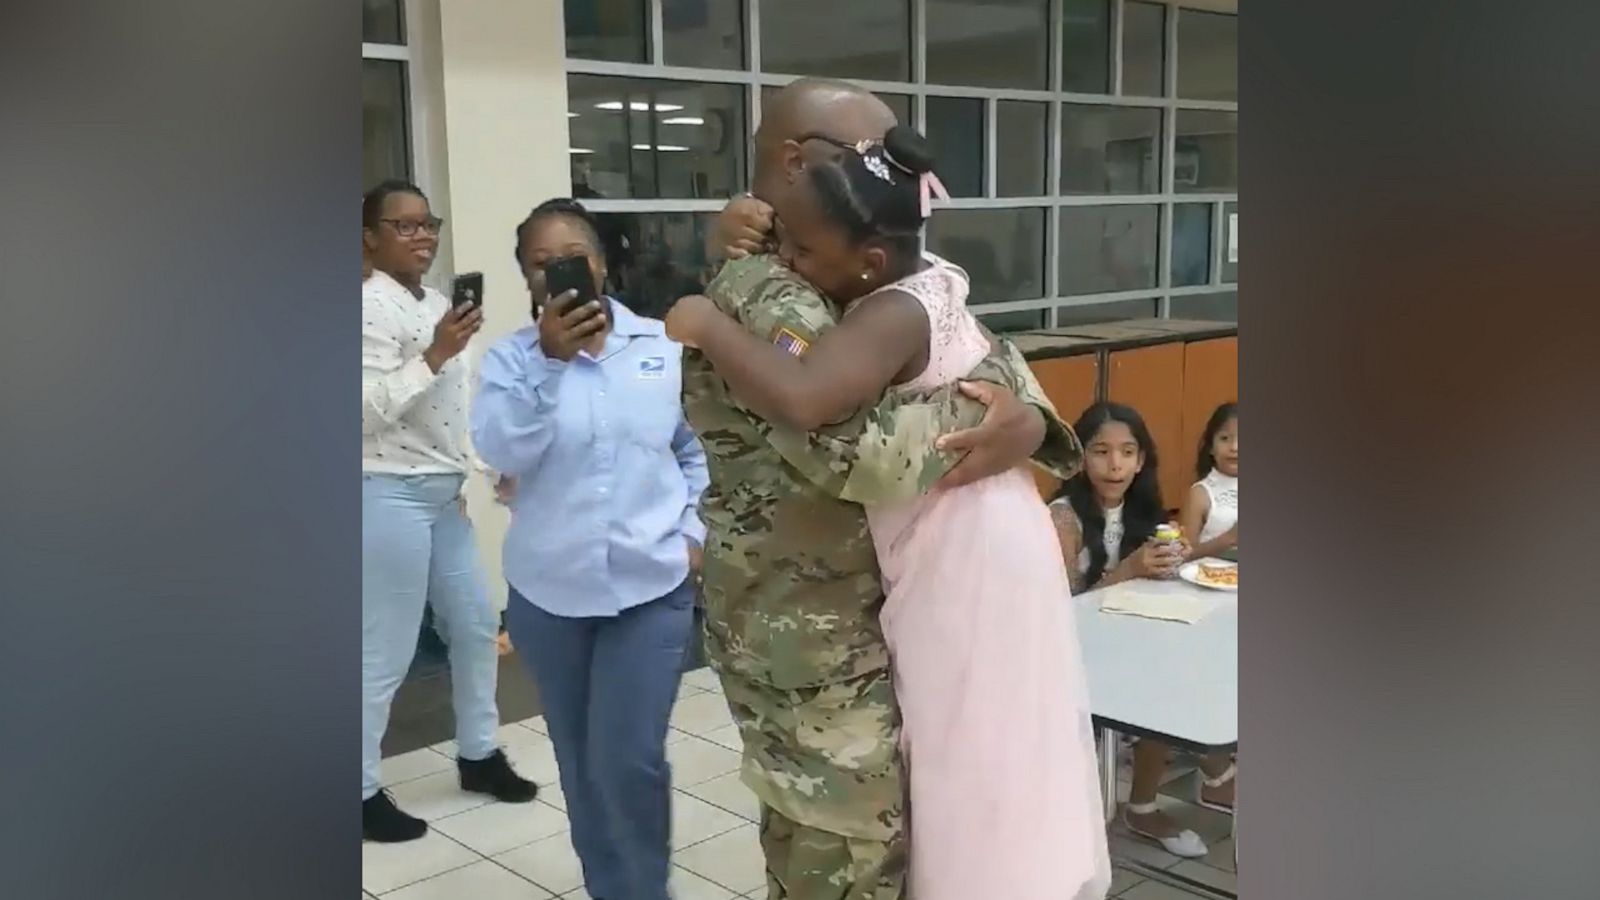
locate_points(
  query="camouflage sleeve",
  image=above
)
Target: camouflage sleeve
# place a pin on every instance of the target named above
(880, 455)
(1060, 455)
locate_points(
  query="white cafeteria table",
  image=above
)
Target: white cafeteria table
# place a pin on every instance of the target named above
(1168, 680)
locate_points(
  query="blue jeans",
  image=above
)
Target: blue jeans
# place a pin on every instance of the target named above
(607, 685)
(418, 550)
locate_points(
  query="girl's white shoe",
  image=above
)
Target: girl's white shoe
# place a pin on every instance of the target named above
(1185, 843)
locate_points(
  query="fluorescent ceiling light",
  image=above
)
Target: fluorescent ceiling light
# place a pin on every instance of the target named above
(579, 151)
(571, 114)
(637, 106)
(664, 148)
(684, 120)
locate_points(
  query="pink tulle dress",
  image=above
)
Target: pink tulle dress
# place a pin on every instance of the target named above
(1005, 799)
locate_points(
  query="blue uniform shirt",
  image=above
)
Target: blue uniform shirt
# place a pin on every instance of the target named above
(609, 475)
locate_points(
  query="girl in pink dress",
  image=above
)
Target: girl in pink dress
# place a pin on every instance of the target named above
(1005, 801)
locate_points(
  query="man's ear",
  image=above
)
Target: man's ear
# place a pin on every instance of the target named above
(793, 160)
(369, 240)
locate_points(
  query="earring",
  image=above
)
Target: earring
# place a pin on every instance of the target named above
(865, 276)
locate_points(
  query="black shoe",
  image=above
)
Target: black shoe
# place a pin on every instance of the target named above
(494, 776)
(383, 822)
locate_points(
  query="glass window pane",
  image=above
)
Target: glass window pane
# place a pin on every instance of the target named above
(1086, 46)
(654, 258)
(955, 131)
(647, 139)
(1191, 244)
(1143, 40)
(1205, 153)
(1097, 313)
(901, 104)
(1109, 150)
(837, 38)
(616, 30)
(1108, 248)
(385, 145)
(1001, 249)
(1021, 145)
(989, 43)
(708, 34)
(1025, 320)
(1208, 56)
(1230, 242)
(1219, 307)
(383, 22)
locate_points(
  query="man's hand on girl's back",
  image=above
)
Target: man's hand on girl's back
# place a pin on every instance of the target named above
(1008, 435)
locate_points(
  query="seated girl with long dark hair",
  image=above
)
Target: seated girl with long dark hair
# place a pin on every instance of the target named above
(1107, 516)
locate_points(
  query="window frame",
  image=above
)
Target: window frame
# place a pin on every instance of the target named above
(420, 57)
(419, 159)
(754, 77)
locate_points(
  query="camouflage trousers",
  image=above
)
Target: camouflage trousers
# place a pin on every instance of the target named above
(825, 763)
(805, 863)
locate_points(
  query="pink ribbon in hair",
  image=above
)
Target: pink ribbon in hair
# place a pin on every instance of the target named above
(931, 187)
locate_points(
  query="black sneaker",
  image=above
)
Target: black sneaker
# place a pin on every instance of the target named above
(383, 822)
(495, 777)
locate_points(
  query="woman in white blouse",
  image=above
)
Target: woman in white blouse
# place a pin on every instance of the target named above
(417, 545)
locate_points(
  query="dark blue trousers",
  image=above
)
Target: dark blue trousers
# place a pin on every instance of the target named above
(608, 685)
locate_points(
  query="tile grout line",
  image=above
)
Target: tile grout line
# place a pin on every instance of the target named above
(732, 812)
(522, 876)
(480, 858)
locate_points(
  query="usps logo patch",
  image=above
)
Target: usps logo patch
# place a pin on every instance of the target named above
(790, 343)
(653, 367)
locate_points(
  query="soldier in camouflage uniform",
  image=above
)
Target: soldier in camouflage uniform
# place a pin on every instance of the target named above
(791, 581)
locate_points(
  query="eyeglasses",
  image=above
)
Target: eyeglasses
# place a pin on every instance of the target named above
(407, 229)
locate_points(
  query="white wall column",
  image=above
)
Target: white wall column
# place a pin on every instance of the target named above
(505, 125)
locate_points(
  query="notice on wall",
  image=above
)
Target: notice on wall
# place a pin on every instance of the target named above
(1233, 238)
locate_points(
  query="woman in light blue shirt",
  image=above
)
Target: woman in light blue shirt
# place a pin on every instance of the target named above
(583, 414)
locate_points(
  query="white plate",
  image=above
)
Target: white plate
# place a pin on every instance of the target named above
(1190, 572)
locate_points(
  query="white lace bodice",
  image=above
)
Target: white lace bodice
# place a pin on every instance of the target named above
(1224, 493)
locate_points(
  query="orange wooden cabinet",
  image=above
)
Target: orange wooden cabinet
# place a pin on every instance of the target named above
(1151, 379)
(1071, 383)
(1173, 372)
(1210, 379)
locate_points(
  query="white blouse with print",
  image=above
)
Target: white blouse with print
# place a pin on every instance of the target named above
(413, 421)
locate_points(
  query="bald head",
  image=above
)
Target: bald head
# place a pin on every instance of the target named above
(838, 109)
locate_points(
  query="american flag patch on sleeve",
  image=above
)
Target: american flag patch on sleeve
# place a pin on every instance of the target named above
(790, 343)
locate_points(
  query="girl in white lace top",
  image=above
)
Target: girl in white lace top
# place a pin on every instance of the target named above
(1210, 518)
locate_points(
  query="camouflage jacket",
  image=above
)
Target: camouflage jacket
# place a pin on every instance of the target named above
(791, 582)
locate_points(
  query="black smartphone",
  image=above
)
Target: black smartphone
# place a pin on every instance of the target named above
(570, 273)
(467, 288)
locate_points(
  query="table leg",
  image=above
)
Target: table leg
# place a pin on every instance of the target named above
(1108, 771)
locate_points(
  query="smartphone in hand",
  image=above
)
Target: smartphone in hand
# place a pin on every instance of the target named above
(570, 273)
(466, 288)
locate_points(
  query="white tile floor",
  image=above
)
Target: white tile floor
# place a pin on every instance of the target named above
(490, 851)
